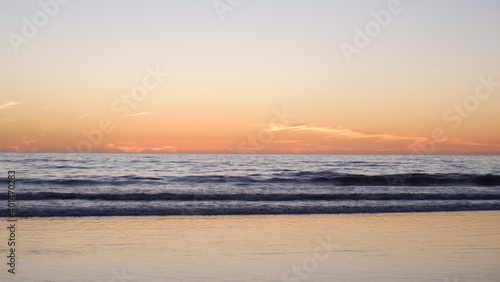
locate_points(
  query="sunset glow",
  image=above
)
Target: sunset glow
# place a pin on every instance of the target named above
(264, 77)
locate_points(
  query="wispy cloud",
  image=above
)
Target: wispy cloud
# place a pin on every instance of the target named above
(339, 138)
(460, 141)
(140, 114)
(332, 132)
(15, 148)
(8, 104)
(27, 140)
(131, 147)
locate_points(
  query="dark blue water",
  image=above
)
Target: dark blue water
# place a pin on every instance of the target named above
(156, 184)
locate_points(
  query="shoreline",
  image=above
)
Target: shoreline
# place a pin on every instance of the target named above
(252, 214)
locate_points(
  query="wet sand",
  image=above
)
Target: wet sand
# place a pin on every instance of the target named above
(444, 246)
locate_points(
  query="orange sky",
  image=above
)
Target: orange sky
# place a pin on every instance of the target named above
(174, 77)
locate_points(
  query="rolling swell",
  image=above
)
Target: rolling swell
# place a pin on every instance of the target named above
(313, 178)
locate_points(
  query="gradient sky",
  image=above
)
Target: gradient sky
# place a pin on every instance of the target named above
(229, 76)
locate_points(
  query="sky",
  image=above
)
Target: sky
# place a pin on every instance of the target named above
(250, 76)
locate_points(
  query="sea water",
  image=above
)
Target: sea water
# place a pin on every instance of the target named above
(58, 184)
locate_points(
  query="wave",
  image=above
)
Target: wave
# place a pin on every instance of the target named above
(407, 179)
(254, 197)
(302, 177)
(238, 209)
(124, 180)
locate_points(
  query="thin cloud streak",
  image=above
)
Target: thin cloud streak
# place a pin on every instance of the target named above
(131, 147)
(8, 104)
(345, 133)
(349, 133)
(140, 114)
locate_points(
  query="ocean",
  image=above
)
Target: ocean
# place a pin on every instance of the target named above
(77, 185)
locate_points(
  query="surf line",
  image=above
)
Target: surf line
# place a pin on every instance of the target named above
(11, 220)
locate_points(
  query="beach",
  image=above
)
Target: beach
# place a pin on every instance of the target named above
(231, 140)
(441, 246)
